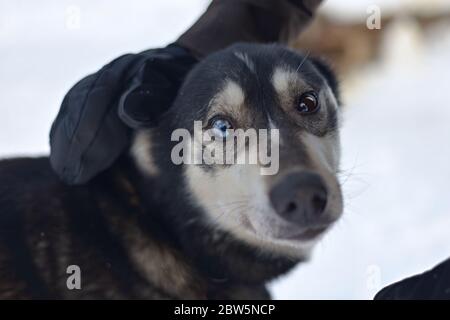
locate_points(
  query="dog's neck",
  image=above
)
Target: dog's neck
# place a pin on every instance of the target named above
(209, 262)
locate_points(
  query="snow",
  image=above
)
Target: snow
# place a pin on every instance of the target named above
(395, 138)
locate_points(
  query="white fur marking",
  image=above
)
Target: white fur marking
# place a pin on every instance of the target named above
(282, 79)
(232, 94)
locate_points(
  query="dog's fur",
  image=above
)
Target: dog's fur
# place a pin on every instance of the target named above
(147, 228)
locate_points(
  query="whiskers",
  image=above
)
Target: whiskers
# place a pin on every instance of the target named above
(303, 61)
(231, 208)
(354, 183)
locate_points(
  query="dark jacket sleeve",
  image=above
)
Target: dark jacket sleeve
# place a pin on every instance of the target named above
(430, 285)
(228, 21)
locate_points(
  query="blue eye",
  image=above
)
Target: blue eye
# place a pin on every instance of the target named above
(220, 127)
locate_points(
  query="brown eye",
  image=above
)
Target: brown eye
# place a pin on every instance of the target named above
(308, 103)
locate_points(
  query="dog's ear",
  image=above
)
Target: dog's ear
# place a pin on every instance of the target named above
(151, 93)
(327, 72)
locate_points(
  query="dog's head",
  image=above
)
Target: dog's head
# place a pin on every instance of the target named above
(276, 191)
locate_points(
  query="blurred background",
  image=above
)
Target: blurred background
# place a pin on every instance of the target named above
(396, 133)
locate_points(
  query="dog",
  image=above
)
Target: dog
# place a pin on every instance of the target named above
(149, 228)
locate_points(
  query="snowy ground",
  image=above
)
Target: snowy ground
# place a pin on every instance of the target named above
(395, 137)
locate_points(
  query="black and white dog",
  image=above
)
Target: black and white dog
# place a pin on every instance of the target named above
(153, 228)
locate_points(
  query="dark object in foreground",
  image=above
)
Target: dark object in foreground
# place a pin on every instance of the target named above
(433, 284)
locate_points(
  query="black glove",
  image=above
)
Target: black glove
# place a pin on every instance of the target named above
(94, 124)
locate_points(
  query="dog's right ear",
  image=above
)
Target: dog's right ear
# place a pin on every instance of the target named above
(151, 93)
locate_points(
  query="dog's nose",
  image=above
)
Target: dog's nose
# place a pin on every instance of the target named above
(301, 198)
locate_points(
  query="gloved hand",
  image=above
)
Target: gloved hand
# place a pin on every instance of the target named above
(94, 125)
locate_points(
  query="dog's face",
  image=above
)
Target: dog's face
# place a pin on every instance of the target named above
(283, 205)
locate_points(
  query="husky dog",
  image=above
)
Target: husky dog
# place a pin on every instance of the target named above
(153, 229)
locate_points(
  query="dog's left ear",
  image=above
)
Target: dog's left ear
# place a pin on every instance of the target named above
(327, 72)
(151, 93)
